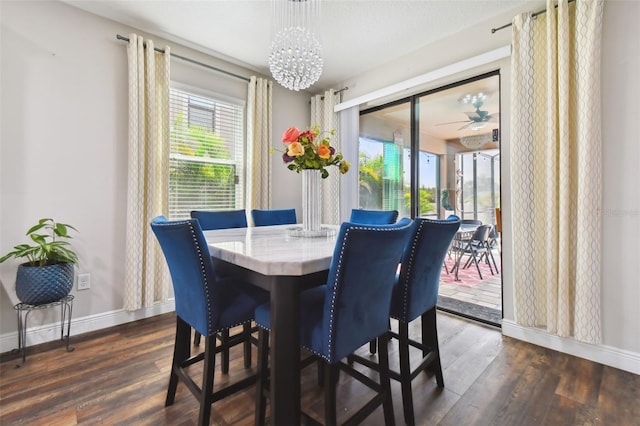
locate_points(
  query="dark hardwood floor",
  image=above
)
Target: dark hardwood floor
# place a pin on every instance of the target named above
(119, 376)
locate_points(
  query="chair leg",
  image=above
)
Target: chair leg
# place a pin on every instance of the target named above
(206, 396)
(224, 354)
(181, 352)
(475, 261)
(320, 372)
(495, 265)
(405, 372)
(372, 347)
(385, 379)
(430, 339)
(373, 344)
(196, 338)
(246, 335)
(263, 372)
(331, 382)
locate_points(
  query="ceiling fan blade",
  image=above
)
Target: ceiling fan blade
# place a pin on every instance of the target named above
(467, 125)
(452, 122)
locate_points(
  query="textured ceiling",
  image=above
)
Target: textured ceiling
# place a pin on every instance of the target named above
(356, 35)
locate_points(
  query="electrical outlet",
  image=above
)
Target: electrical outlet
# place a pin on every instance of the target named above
(84, 282)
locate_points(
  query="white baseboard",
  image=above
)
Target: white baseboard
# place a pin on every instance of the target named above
(50, 332)
(607, 355)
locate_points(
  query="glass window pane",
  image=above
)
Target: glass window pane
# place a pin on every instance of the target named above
(428, 184)
(206, 154)
(385, 141)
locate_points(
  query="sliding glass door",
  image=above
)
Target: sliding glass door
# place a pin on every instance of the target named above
(434, 154)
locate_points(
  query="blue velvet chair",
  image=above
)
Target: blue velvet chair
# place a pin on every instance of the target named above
(273, 217)
(206, 302)
(373, 217)
(347, 312)
(415, 294)
(224, 219)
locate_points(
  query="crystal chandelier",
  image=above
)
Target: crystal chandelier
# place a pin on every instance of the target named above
(296, 54)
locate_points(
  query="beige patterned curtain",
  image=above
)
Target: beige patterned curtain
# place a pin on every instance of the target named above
(146, 275)
(323, 115)
(259, 163)
(556, 169)
(350, 146)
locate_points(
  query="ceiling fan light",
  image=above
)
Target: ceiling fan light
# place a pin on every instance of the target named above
(475, 141)
(478, 125)
(473, 98)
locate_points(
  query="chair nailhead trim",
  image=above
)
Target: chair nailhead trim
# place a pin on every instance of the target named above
(204, 278)
(410, 264)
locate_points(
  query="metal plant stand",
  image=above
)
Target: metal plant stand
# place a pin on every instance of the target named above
(23, 310)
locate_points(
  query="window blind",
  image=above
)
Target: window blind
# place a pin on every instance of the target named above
(206, 154)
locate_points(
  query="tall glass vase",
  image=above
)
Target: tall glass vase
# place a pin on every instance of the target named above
(311, 201)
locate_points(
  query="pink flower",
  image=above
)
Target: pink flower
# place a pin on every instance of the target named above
(290, 135)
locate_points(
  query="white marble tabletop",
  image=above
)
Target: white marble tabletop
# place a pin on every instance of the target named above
(270, 250)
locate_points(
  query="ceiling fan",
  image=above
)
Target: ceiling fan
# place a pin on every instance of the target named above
(478, 118)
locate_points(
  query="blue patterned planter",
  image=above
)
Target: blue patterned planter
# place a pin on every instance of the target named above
(38, 285)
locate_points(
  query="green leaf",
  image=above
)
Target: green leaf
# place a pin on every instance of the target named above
(45, 247)
(36, 227)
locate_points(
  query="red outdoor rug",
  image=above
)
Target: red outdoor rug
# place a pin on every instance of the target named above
(468, 277)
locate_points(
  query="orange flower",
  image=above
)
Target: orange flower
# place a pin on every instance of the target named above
(290, 135)
(311, 149)
(324, 151)
(295, 149)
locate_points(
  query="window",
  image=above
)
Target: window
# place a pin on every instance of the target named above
(206, 153)
(385, 180)
(384, 159)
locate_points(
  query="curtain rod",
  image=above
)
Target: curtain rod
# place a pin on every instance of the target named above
(335, 92)
(193, 61)
(533, 15)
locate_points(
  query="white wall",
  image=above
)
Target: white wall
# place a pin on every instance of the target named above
(621, 151)
(63, 146)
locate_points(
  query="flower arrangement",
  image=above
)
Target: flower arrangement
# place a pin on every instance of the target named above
(310, 150)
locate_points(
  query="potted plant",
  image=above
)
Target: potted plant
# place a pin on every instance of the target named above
(47, 276)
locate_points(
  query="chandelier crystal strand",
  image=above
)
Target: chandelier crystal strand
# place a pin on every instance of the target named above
(296, 53)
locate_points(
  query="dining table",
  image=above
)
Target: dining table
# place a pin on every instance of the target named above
(275, 259)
